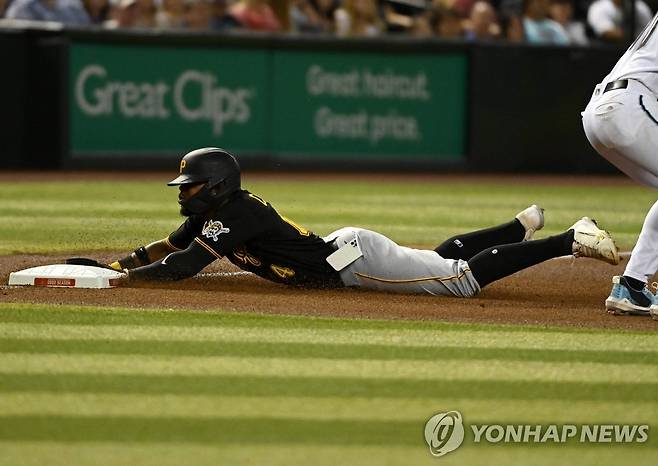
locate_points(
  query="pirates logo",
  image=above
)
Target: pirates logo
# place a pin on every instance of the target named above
(212, 229)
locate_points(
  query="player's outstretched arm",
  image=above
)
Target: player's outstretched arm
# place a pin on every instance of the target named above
(174, 266)
(145, 255)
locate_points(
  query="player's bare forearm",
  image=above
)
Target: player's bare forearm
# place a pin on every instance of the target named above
(144, 255)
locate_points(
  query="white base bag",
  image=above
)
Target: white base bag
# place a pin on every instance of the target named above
(66, 276)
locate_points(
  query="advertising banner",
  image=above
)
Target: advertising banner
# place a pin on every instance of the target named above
(370, 104)
(152, 99)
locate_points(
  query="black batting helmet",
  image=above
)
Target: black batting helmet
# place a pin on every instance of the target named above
(216, 168)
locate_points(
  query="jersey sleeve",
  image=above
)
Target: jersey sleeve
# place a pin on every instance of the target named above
(183, 237)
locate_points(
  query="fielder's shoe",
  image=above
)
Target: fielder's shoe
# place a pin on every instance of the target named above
(625, 300)
(590, 241)
(532, 220)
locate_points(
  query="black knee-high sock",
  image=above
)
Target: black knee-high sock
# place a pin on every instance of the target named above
(469, 244)
(500, 261)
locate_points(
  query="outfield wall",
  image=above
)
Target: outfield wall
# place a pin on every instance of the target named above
(87, 98)
(13, 94)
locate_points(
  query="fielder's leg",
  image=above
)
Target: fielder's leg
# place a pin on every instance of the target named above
(630, 294)
(621, 126)
(467, 245)
(644, 258)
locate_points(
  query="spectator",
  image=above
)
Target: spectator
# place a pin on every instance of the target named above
(396, 21)
(3, 7)
(422, 26)
(462, 7)
(146, 11)
(512, 27)
(358, 18)
(605, 17)
(198, 15)
(124, 15)
(98, 10)
(508, 8)
(423, 23)
(562, 11)
(482, 24)
(313, 15)
(255, 15)
(221, 17)
(61, 11)
(281, 9)
(326, 9)
(303, 17)
(171, 14)
(447, 24)
(400, 15)
(538, 27)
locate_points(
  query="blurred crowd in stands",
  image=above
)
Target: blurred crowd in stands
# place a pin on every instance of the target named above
(560, 22)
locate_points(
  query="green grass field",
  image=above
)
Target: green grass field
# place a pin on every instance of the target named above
(101, 215)
(100, 386)
(97, 386)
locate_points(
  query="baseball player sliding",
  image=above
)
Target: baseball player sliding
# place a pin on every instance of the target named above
(224, 220)
(621, 123)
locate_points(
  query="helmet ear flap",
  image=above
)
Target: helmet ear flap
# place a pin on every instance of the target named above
(215, 187)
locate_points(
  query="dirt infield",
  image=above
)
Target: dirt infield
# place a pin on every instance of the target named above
(560, 292)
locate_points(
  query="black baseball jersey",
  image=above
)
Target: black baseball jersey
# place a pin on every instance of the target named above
(251, 234)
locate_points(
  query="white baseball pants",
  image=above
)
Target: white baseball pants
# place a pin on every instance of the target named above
(387, 266)
(622, 125)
